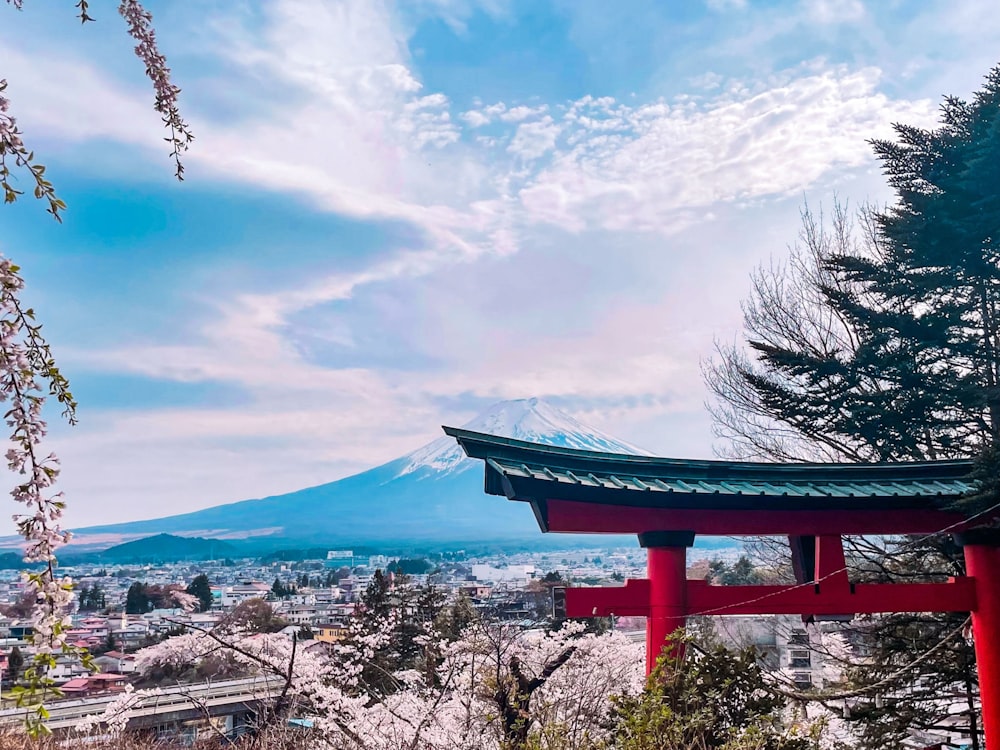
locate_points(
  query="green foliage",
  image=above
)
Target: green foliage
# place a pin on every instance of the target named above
(888, 348)
(137, 601)
(884, 718)
(709, 698)
(279, 590)
(375, 600)
(14, 149)
(451, 621)
(418, 566)
(91, 598)
(201, 588)
(109, 643)
(407, 612)
(741, 573)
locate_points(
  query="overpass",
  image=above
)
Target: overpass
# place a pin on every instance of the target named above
(232, 700)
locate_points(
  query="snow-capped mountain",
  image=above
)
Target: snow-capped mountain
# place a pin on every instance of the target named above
(434, 494)
(529, 419)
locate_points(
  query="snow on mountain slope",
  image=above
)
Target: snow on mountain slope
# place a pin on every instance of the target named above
(530, 419)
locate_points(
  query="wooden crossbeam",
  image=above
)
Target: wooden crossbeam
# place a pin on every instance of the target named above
(824, 598)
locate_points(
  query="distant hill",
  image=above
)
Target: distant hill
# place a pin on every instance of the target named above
(164, 548)
(12, 561)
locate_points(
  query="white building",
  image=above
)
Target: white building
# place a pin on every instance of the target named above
(519, 574)
(234, 595)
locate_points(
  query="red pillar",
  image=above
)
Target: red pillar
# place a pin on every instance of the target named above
(667, 572)
(982, 563)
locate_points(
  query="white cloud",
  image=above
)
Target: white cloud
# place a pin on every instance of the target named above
(708, 81)
(834, 11)
(70, 101)
(517, 114)
(661, 161)
(475, 118)
(655, 168)
(533, 139)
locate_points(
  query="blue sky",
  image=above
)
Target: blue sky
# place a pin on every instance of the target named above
(396, 214)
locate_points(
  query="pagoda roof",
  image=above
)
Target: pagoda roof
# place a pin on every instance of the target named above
(538, 474)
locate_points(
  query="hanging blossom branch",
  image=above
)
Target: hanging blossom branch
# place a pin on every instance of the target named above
(140, 27)
(12, 149)
(25, 363)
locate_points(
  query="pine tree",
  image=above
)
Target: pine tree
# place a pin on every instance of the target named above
(98, 600)
(884, 345)
(83, 598)
(201, 588)
(137, 600)
(375, 600)
(278, 589)
(885, 348)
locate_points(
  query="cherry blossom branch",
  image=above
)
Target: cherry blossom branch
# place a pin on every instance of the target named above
(12, 147)
(257, 658)
(26, 362)
(83, 6)
(25, 359)
(140, 27)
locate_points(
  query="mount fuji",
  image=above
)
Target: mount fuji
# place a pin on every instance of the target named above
(433, 495)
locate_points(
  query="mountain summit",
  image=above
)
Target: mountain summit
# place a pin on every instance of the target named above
(530, 419)
(434, 494)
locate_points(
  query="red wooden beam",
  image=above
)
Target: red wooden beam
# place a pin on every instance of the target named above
(579, 517)
(632, 599)
(958, 595)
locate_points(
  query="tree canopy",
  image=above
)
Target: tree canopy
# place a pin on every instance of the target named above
(878, 339)
(882, 344)
(201, 588)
